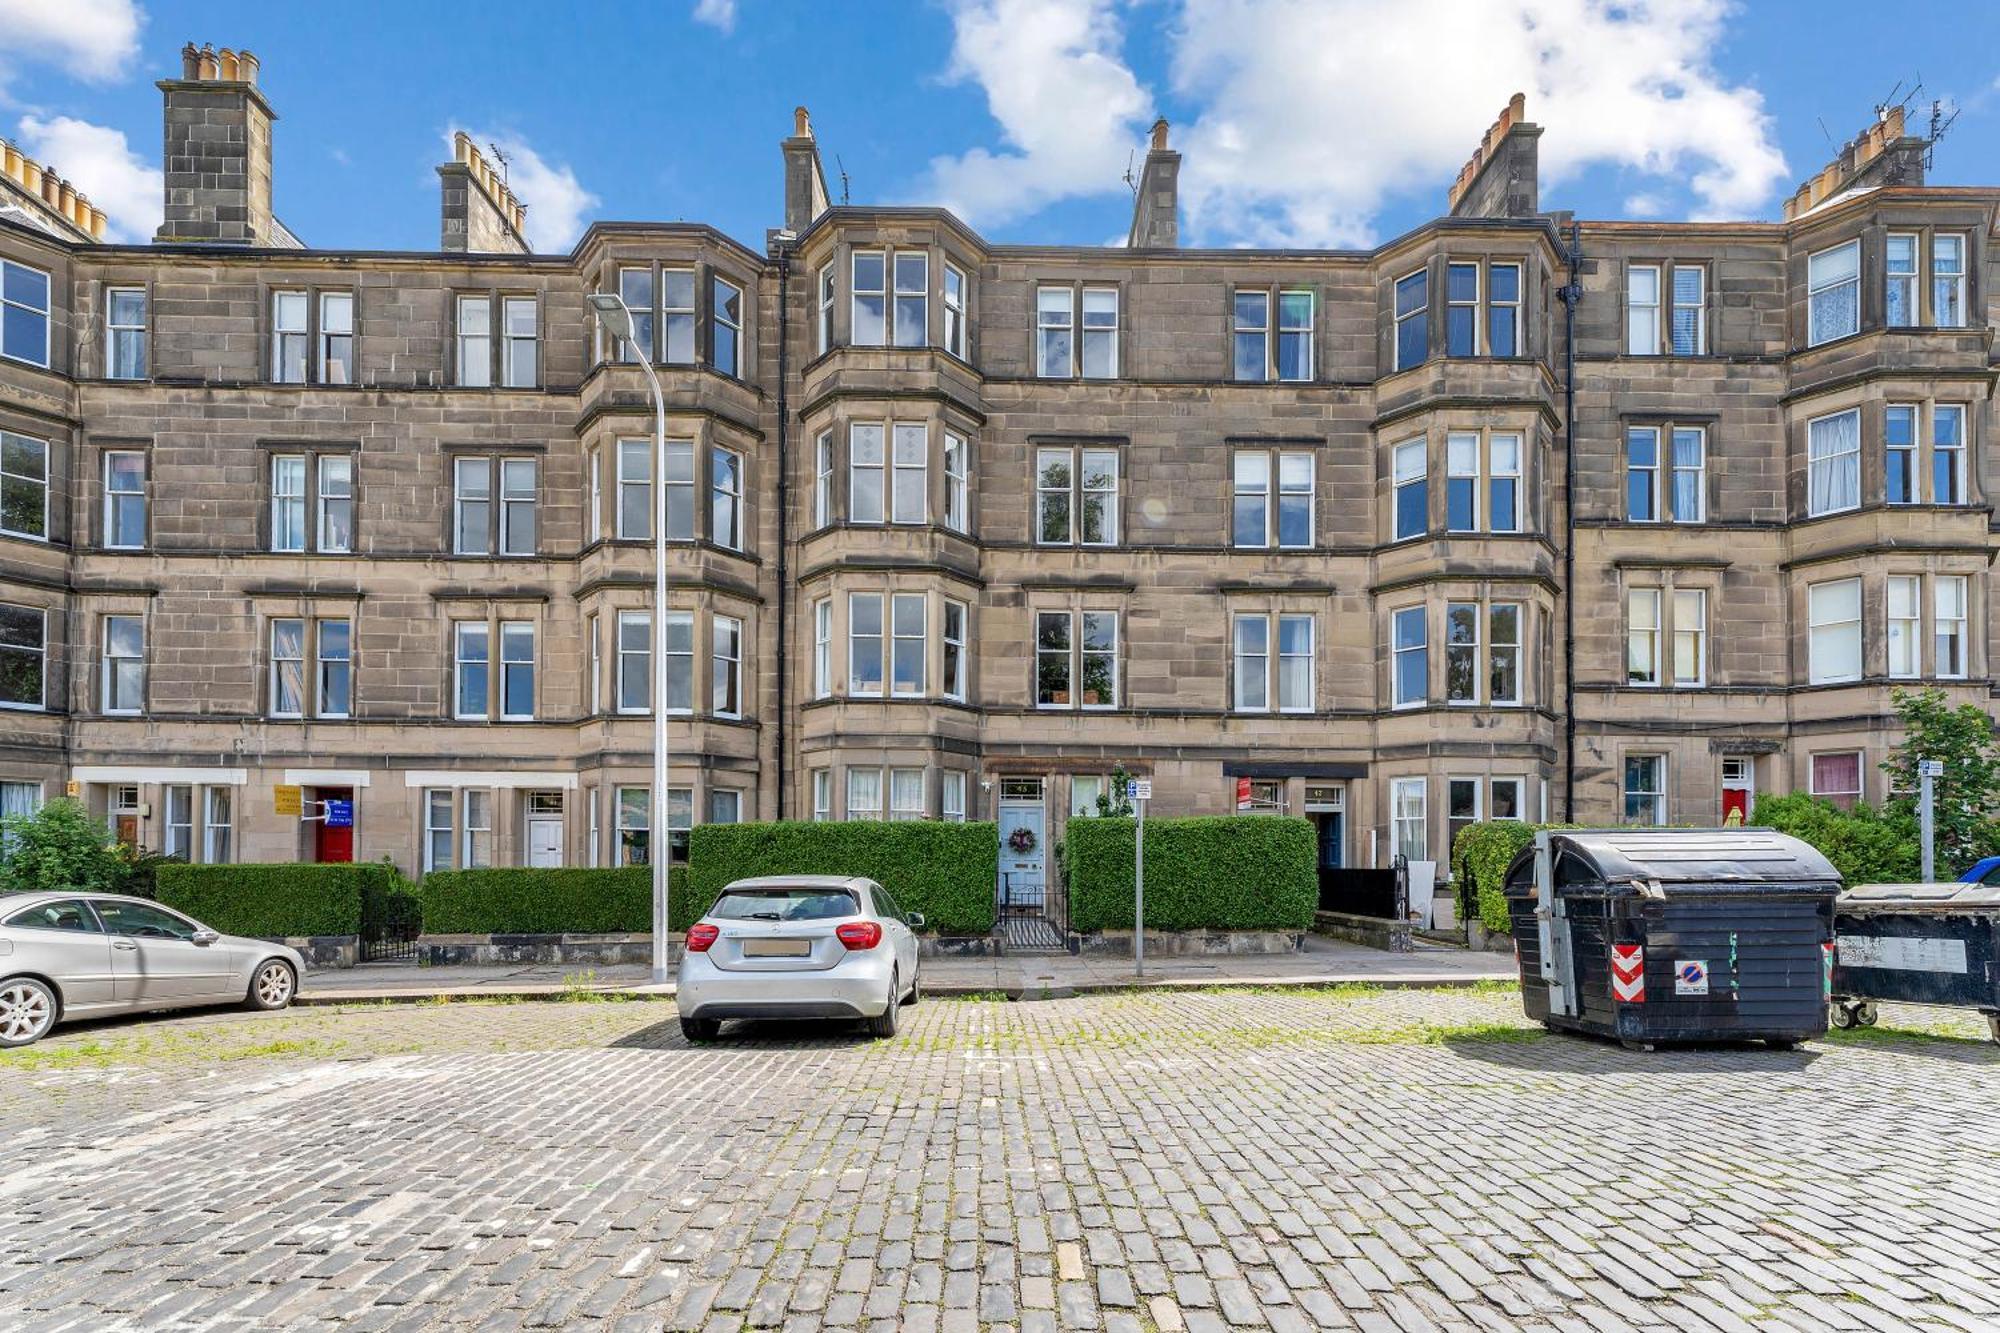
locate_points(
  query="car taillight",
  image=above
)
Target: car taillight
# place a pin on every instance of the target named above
(700, 937)
(859, 934)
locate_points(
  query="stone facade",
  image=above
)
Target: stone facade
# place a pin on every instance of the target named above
(1059, 552)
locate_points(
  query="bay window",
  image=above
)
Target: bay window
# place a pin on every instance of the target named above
(1833, 463)
(868, 321)
(24, 313)
(864, 643)
(1899, 278)
(1949, 612)
(1413, 319)
(725, 491)
(1903, 610)
(1833, 649)
(1411, 490)
(517, 670)
(725, 327)
(865, 464)
(635, 662)
(955, 642)
(913, 285)
(24, 486)
(1836, 778)
(822, 648)
(1409, 834)
(23, 656)
(957, 484)
(1410, 669)
(907, 644)
(954, 312)
(1948, 280)
(909, 487)
(726, 678)
(1833, 293)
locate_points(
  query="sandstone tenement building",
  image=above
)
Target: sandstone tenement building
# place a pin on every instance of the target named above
(1510, 516)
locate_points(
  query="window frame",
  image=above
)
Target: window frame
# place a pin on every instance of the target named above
(1274, 493)
(1400, 652)
(1089, 333)
(1419, 315)
(906, 299)
(515, 510)
(1957, 278)
(877, 515)
(511, 341)
(113, 330)
(113, 523)
(43, 483)
(953, 307)
(279, 661)
(1841, 799)
(1409, 830)
(513, 666)
(46, 312)
(900, 641)
(1908, 279)
(1657, 795)
(725, 652)
(39, 653)
(464, 633)
(1653, 596)
(1077, 493)
(823, 470)
(1842, 460)
(1960, 638)
(1815, 624)
(724, 462)
(111, 682)
(822, 667)
(325, 339)
(900, 468)
(855, 646)
(1417, 447)
(625, 656)
(1063, 333)
(1815, 336)
(857, 293)
(628, 449)
(1903, 626)
(325, 498)
(955, 670)
(1696, 636)
(1074, 653)
(718, 322)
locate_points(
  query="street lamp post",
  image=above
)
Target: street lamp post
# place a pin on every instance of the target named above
(616, 320)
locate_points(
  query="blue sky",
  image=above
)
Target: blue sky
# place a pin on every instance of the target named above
(1316, 122)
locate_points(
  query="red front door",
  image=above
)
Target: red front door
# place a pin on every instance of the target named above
(331, 843)
(1736, 801)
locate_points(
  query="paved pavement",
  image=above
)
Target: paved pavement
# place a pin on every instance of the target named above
(1167, 1162)
(1322, 962)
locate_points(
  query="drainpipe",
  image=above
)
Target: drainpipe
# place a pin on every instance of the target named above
(1571, 294)
(784, 496)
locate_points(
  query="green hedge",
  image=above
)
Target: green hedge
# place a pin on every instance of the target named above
(1228, 872)
(1480, 855)
(948, 872)
(273, 900)
(521, 900)
(1866, 846)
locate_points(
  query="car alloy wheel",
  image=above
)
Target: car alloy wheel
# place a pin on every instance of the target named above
(27, 1012)
(272, 988)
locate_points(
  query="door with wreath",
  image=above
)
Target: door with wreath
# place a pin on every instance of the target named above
(1023, 856)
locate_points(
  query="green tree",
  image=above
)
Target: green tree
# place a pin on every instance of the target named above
(1966, 799)
(60, 846)
(1112, 801)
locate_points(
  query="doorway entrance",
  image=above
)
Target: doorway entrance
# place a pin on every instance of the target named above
(544, 816)
(1327, 808)
(1739, 789)
(1024, 885)
(333, 832)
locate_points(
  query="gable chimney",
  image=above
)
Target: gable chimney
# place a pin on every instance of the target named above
(481, 214)
(218, 153)
(1500, 180)
(805, 178)
(1156, 213)
(1882, 154)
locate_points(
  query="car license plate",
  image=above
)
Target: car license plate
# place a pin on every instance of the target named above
(777, 948)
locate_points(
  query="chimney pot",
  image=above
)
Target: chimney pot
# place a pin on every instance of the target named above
(1517, 106)
(246, 67)
(1160, 135)
(190, 61)
(801, 123)
(227, 62)
(208, 62)
(97, 221)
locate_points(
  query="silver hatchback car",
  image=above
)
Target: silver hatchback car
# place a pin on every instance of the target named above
(800, 946)
(86, 955)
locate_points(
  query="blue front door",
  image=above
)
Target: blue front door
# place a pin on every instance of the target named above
(1023, 857)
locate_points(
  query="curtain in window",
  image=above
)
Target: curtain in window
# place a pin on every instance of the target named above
(1687, 449)
(1837, 777)
(1833, 454)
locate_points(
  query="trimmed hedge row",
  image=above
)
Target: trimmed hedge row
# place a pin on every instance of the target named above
(1224, 872)
(274, 900)
(945, 871)
(523, 900)
(1481, 854)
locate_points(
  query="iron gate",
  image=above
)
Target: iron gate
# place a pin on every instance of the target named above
(390, 926)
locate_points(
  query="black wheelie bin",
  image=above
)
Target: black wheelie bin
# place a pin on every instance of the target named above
(1917, 943)
(1674, 935)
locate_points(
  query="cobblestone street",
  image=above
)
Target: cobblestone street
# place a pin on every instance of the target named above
(1194, 1160)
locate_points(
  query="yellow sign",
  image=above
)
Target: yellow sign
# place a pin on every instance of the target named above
(288, 799)
(72, 789)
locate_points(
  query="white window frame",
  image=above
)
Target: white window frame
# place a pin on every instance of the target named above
(956, 667)
(1457, 476)
(1402, 478)
(288, 657)
(1954, 454)
(1074, 654)
(909, 466)
(37, 651)
(1095, 332)
(520, 353)
(680, 491)
(857, 646)
(1398, 651)
(517, 658)
(1247, 331)
(1421, 314)
(216, 825)
(1283, 655)
(117, 335)
(679, 639)
(16, 443)
(1949, 282)
(636, 290)
(827, 285)
(1055, 330)
(1496, 308)
(46, 312)
(519, 528)
(865, 793)
(333, 488)
(1658, 794)
(1642, 316)
(117, 668)
(1515, 648)
(630, 452)
(860, 464)
(464, 634)
(951, 795)
(739, 363)
(1451, 303)
(1409, 818)
(823, 648)
(1816, 287)
(906, 794)
(957, 483)
(857, 293)
(466, 502)
(1251, 649)
(725, 498)
(440, 801)
(1903, 607)
(1839, 464)
(726, 666)
(677, 318)
(1951, 625)
(907, 645)
(595, 631)
(475, 828)
(288, 505)
(1673, 469)
(335, 335)
(1674, 305)
(822, 795)
(1902, 273)
(1643, 635)
(823, 480)
(1690, 638)
(1825, 620)
(911, 297)
(626, 817)
(953, 300)
(1304, 335)
(473, 332)
(1844, 799)
(114, 493)
(289, 343)
(633, 662)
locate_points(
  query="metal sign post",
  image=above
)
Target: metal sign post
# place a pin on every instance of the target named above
(1928, 769)
(1141, 791)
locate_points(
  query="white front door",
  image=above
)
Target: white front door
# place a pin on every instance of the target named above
(545, 842)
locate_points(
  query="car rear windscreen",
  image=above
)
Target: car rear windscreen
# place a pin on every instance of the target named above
(784, 904)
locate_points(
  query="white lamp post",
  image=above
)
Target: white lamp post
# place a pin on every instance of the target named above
(616, 320)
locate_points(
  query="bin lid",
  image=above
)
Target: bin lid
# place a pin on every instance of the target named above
(1954, 897)
(1686, 858)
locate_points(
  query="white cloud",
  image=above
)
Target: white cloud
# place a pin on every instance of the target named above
(1645, 204)
(717, 14)
(1069, 109)
(99, 162)
(91, 39)
(1313, 112)
(557, 202)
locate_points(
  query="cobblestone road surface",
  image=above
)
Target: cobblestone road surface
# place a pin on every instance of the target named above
(1166, 1162)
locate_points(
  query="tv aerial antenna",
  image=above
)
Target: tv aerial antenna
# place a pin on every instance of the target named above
(1131, 181)
(841, 167)
(500, 157)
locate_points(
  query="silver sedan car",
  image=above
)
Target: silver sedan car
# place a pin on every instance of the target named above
(800, 946)
(85, 955)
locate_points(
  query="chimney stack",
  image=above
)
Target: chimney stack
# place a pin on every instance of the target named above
(1500, 179)
(805, 178)
(1883, 154)
(481, 214)
(1156, 214)
(218, 152)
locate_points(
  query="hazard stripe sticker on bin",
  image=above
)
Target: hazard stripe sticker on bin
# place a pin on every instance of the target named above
(1628, 973)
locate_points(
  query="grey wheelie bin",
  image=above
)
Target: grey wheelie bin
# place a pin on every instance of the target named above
(1674, 935)
(1918, 943)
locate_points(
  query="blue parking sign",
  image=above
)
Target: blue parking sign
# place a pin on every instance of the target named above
(340, 814)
